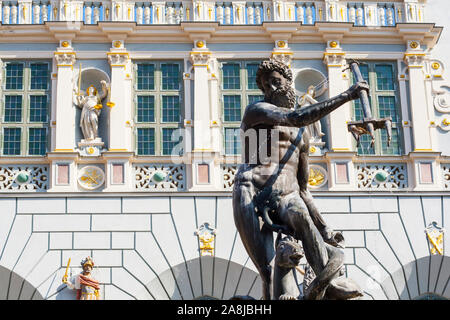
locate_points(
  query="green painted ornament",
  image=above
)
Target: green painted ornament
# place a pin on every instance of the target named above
(381, 176)
(159, 176)
(22, 177)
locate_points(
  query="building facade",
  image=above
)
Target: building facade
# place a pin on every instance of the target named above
(149, 199)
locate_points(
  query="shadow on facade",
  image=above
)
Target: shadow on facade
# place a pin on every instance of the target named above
(206, 278)
(14, 287)
(426, 278)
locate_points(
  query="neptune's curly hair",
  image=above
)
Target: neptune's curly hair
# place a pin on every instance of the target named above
(271, 65)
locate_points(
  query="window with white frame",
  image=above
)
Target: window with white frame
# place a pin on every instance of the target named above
(384, 102)
(158, 107)
(25, 106)
(238, 89)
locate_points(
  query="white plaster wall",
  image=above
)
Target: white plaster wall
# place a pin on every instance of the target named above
(437, 12)
(145, 247)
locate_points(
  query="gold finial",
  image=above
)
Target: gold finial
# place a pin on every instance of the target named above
(188, 13)
(268, 13)
(55, 13)
(320, 13)
(107, 13)
(209, 13)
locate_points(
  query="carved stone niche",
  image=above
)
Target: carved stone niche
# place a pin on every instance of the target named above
(91, 76)
(311, 86)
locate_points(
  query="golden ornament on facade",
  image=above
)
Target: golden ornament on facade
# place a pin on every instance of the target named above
(435, 235)
(414, 45)
(312, 149)
(436, 65)
(206, 235)
(446, 122)
(333, 44)
(281, 44)
(200, 44)
(117, 44)
(65, 44)
(317, 176)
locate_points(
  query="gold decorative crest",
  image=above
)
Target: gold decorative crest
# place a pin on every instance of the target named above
(435, 235)
(206, 235)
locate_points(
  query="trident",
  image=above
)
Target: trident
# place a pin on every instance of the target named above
(368, 125)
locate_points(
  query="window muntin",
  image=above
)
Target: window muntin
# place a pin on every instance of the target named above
(11, 141)
(145, 76)
(383, 98)
(158, 92)
(146, 141)
(24, 108)
(145, 109)
(37, 141)
(14, 76)
(238, 90)
(231, 78)
(13, 108)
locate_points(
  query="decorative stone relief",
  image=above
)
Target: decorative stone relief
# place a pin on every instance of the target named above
(435, 235)
(318, 177)
(118, 58)
(446, 175)
(228, 173)
(206, 236)
(381, 176)
(20, 178)
(65, 58)
(159, 177)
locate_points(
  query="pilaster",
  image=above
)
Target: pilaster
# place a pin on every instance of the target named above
(120, 98)
(65, 111)
(420, 121)
(334, 58)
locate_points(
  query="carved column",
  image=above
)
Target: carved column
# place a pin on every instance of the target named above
(65, 110)
(415, 60)
(340, 165)
(203, 169)
(120, 98)
(334, 58)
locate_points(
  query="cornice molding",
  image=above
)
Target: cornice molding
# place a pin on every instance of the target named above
(427, 33)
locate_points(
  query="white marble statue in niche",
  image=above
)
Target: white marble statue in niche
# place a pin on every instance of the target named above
(314, 129)
(91, 106)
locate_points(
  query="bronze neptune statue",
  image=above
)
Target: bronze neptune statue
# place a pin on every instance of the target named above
(270, 189)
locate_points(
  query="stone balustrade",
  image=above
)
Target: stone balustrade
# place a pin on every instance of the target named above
(234, 12)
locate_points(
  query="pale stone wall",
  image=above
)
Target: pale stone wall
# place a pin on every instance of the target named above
(146, 247)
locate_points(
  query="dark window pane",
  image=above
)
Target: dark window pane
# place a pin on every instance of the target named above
(146, 141)
(170, 140)
(38, 108)
(170, 76)
(39, 76)
(364, 146)
(231, 76)
(232, 108)
(145, 108)
(394, 148)
(255, 98)
(251, 75)
(386, 107)
(14, 76)
(232, 141)
(146, 77)
(13, 108)
(11, 141)
(37, 143)
(170, 109)
(385, 77)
